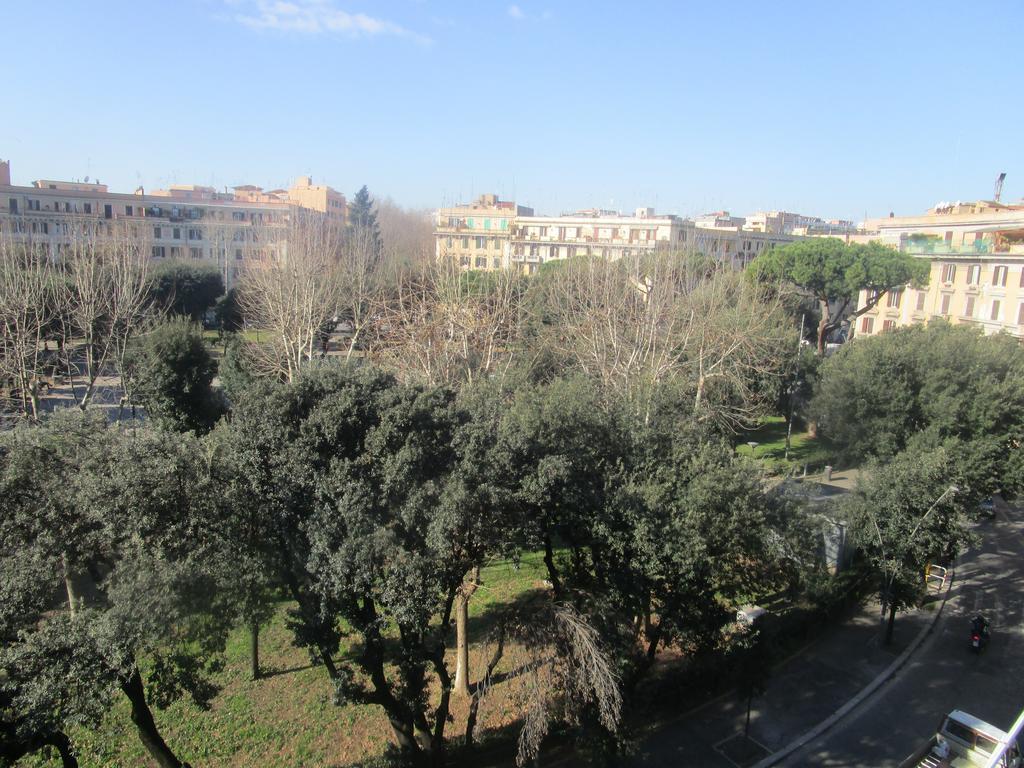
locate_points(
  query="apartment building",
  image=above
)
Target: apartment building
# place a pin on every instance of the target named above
(719, 220)
(182, 222)
(491, 234)
(608, 234)
(976, 251)
(477, 235)
(787, 223)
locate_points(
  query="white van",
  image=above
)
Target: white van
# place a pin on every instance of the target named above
(964, 741)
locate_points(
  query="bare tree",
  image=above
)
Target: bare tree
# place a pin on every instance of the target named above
(446, 326)
(361, 269)
(104, 298)
(292, 290)
(737, 342)
(643, 320)
(407, 236)
(28, 284)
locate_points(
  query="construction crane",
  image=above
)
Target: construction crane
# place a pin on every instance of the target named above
(999, 186)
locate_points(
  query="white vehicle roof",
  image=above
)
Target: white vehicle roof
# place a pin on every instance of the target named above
(978, 725)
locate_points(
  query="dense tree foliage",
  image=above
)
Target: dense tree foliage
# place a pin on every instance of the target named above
(169, 372)
(228, 312)
(905, 514)
(117, 522)
(834, 273)
(187, 288)
(930, 385)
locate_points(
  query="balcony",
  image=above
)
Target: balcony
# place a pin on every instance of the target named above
(980, 248)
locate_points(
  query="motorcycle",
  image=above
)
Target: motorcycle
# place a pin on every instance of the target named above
(979, 633)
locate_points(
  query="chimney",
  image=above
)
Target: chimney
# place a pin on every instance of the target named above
(5, 172)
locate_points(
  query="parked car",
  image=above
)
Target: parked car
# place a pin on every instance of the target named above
(987, 508)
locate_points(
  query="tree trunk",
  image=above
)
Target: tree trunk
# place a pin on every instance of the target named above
(461, 645)
(549, 562)
(746, 727)
(142, 716)
(67, 754)
(69, 587)
(822, 328)
(254, 649)
(405, 736)
(462, 597)
(892, 623)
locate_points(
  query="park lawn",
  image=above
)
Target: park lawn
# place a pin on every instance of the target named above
(287, 718)
(805, 449)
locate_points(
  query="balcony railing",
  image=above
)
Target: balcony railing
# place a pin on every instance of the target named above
(979, 248)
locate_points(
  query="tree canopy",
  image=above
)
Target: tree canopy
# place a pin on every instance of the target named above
(929, 385)
(169, 372)
(186, 288)
(117, 522)
(834, 273)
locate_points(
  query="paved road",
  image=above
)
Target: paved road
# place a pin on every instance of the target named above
(945, 674)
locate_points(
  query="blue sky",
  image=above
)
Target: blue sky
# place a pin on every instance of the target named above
(838, 109)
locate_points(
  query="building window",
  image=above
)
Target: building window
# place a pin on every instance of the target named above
(995, 309)
(195, 234)
(156, 232)
(449, 245)
(969, 307)
(481, 262)
(895, 296)
(999, 276)
(175, 252)
(176, 234)
(238, 254)
(88, 207)
(465, 242)
(948, 273)
(495, 244)
(888, 325)
(464, 261)
(920, 300)
(481, 242)
(945, 303)
(867, 324)
(158, 251)
(128, 210)
(1020, 314)
(196, 253)
(974, 274)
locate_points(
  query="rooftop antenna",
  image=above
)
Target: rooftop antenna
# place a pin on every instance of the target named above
(999, 186)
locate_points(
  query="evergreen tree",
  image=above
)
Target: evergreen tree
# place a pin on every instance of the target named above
(362, 220)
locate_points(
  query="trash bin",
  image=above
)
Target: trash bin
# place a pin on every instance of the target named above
(828, 473)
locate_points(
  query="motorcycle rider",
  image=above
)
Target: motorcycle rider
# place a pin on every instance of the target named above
(979, 627)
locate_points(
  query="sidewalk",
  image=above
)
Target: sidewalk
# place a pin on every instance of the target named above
(802, 692)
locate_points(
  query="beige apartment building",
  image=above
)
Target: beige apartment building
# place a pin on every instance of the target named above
(492, 234)
(182, 222)
(976, 251)
(787, 223)
(477, 235)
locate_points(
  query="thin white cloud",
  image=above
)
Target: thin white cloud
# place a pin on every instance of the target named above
(516, 12)
(315, 17)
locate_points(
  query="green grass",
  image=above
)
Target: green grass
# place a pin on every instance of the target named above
(287, 718)
(771, 449)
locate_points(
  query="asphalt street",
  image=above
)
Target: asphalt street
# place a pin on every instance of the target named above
(944, 673)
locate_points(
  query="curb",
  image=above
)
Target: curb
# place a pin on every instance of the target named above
(839, 714)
